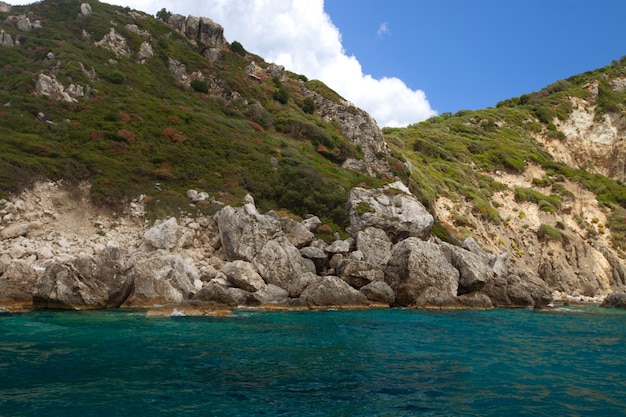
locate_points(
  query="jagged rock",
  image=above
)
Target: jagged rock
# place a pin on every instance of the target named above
(318, 256)
(160, 278)
(200, 30)
(244, 231)
(614, 300)
(475, 300)
(85, 9)
(6, 40)
(391, 208)
(360, 129)
(243, 275)
(379, 292)
(332, 291)
(312, 223)
(214, 292)
(296, 232)
(17, 229)
(280, 263)
(374, 244)
(438, 298)
(276, 71)
(246, 298)
(49, 86)
(339, 246)
(163, 235)
(145, 52)
(115, 43)
(471, 245)
(85, 283)
(518, 290)
(474, 272)
(4, 7)
(359, 273)
(414, 266)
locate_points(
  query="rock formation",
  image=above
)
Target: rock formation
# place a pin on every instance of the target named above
(242, 257)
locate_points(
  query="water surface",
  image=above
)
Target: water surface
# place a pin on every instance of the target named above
(565, 362)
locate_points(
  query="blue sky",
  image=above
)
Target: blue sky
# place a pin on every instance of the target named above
(472, 54)
(406, 60)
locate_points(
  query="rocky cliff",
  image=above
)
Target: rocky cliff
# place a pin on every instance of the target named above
(330, 216)
(58, 251)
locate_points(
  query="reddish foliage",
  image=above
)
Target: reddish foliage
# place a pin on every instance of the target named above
(257, 127)
(126, 134)
(171, 133)
(96, 135)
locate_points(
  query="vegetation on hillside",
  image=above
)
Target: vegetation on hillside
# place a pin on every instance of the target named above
(138, 131)
(452, 154)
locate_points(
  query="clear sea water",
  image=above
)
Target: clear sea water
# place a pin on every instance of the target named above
(565, 362)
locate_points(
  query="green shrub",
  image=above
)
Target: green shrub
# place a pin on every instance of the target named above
(308, 105)
(547, 232)
(200, 86)
(238, 48)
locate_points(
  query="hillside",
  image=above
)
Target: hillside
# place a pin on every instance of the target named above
(148, 161)
(126, 101)
(540, 176)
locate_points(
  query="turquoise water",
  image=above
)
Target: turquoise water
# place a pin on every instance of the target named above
(566, 362)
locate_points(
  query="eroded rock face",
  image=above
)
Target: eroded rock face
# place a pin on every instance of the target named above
(392, 208)
(360, 129)
(200, 30)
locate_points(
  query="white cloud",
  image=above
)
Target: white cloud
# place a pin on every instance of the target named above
(300, 35)
(383, 30)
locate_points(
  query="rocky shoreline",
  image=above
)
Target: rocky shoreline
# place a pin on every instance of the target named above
(57, 251)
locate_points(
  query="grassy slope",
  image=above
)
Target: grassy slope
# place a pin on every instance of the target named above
(450, 155)
(138, 126)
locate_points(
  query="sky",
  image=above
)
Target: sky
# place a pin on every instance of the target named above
(404, 61)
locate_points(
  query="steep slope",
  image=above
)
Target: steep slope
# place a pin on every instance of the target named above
(540, 176)
(138, 106)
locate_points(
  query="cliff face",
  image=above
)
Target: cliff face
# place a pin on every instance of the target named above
(596, 143)
(143, 109)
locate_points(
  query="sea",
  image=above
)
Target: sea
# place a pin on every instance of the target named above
(568, 361)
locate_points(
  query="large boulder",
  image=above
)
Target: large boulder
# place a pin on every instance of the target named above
(84, 283)
(391, 208)
(359, 273)
(115, 43)
(280, 263)
(242, 274)
(213, 292)
(332, 291)
(297, 233)
(161, 278)
(17, 282)
(518, 290)
(244, 231)
(379, 292)
(414, 266)
(474, 272)
(614, 300)
(163, 235)
(200, 30)
(374, 244)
